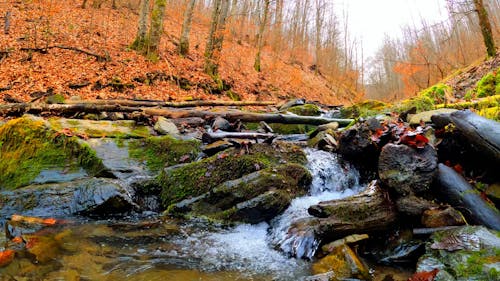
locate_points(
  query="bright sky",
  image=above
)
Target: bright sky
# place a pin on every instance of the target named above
(371, 19)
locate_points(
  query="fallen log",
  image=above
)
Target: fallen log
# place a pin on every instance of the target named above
(100, 58)
(233, 116)
(212, 137)
(481, 132)
(456, 191)
(429, 231)
(139, 103)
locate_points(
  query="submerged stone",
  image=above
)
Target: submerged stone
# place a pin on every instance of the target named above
(344, 262)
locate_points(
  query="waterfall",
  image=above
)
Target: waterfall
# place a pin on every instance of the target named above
(332, 179)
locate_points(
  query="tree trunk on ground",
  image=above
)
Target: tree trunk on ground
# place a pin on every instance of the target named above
(485, 25)
(186, 28)
(233, 116)
(481, 132)
(172, 104)
(460, 194)
(140, 39)
(260, 39)
(156, 29)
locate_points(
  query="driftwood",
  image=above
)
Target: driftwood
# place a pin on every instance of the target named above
(455, 190)
(139, 103)
(429, 231)
(233, 116)
(45, 49)
(481, 132)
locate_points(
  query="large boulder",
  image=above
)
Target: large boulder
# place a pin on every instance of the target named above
(253, 198)
(407, 170)
(465, 253)
(85, 197)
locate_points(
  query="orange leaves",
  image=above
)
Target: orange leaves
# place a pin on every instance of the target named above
(6, 257)
(33, 220)
(424, 275)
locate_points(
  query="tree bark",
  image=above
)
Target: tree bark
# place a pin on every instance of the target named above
(186, 28)
(260, 39)
(216, 37)
(481, 132)
(485, 25)
(6, 26)
(212, 137)
(156, 29)
(140, 39)
(71, 109)
(455, 190)
(134, 103)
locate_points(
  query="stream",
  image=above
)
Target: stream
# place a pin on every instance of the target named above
(145, 247)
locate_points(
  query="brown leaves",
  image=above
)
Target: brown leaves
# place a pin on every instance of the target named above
(424, 275)
(6, 257)
(398, 132)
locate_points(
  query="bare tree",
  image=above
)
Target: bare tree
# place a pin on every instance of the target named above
(186, 28)
(260, 36)
(320, 15)
(216, 37)
(156, 28)
(485, 25)
(142, 29)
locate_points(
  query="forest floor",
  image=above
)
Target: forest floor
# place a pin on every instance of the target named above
(33, 64)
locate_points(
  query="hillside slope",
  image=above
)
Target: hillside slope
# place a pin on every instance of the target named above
(28, 69)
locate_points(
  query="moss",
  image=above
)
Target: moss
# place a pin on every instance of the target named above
(437, 93)
(196, 178)
(306, 110)
(28, 147)
(159, 152)
(57, 98)
(287, 129)
(486, 86)
(233, 96)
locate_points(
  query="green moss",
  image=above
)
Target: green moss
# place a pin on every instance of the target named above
(200, 177)
(159, 152)
(29, 146)
(436, 93)
(306, 110)
(57, 98)
(287, 129)
(233, 96)
(364, 109)
(486, 86)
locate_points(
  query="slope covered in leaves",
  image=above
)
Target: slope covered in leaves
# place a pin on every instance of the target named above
(42, 53)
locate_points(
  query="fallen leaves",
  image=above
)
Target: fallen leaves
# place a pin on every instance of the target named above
(424, 275)
(6, 257)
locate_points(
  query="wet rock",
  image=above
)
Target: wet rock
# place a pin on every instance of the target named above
(330, 275)
(253, 198)
(344, 262)
(426, 116)
(368, 211)
(414, 206)
(330, 127)
(291, 103)
(493, 192)
(216, 147)
(442, 217)
(33, 152)
(328, 248)
(465, 253)
(324, 141)
(441, 120)
(221, 124)
(165, 127)
(407, 170)
(355, 144)
(98, 129)
(87, 197)
(373, 124)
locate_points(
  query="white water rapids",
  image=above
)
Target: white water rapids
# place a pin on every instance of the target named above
(267, 248)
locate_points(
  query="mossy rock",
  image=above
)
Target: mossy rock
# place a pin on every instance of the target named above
(344, 262)
(289, 129)
(100, 129)
(160, 152)
(364, 109)
(305, 110)
(28, 147)
(194, 179)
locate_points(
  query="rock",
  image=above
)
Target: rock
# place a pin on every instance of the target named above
(493, 192)
(253, 198)
(221, 124)
(407, 170)
(324, 141)
(441, 120)
(216, 147)
(197, 178)
(290, 103)
(465, 253)
(373, 124)
(442, 217)
(355, 144)
(305, 110)
(330, 275)
(32, 151)
(344, 263)
(261, 208)
(101, 128)
(354, 238)
(368, 211)
(426, 116)
(87, 197)
(165, 127)
(414, 206)
(330, 127)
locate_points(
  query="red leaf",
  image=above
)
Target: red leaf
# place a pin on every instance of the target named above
(6, 257)
(424, 275)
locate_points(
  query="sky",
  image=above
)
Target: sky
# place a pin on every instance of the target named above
(369, 20)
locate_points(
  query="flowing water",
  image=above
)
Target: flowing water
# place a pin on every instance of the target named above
(151, 249)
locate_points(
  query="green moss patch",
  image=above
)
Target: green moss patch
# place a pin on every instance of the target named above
(28, 146)
(160, 152)
(196, 178)
(364, 109)
(305, 110)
